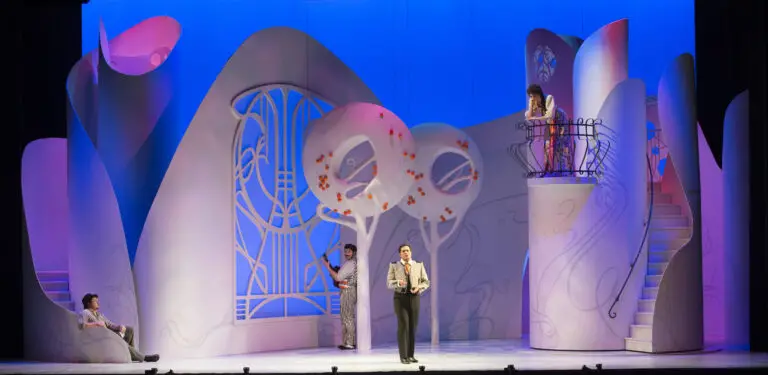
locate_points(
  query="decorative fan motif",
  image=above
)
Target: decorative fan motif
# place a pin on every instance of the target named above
(546, 63)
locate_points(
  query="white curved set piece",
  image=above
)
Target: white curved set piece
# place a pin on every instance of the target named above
(434, 199)
(51, 331)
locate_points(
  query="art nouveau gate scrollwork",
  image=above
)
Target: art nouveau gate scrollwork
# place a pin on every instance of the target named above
(279, 239)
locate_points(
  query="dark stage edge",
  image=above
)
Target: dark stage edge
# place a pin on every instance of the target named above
(454, 357)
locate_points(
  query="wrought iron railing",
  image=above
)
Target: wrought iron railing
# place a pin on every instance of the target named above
(611, 313)
(655, 157)
(569, 148)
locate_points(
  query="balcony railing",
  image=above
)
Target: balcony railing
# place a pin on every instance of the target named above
(568, 149)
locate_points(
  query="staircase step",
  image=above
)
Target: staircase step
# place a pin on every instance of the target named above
(660, 256)
(45, 276)
(657, 268)
(660, 198)
(69, 305)
(661, 244)
(644, 318)
(667, 209)
(638, 345)
(661, 221)
(59, 296)
(642, 332)
(658, 234)
(646, 305)
(652, 281)
(55, 286)
(650, 292)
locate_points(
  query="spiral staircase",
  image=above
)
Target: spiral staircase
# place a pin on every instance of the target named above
(670, 229)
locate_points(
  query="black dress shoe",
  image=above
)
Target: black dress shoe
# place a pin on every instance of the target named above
(152, 358)
(413, 360)
(404, 361)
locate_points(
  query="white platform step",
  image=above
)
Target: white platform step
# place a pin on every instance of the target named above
(644, 318)
(667, 209)
(59, 296)
(69, 305)
(646, 305)
(55, 286)
(642, 332)
(659, 234)
(638, 345)
(662, 221)
(662, 244)
(661, 256)
(652, 280)
(46, 276)
(657, 268)
(660, 198)
(650, 292)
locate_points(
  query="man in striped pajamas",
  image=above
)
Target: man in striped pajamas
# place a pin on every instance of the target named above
(346, 279)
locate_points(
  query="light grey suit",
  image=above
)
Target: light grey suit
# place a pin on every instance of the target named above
(89, 316)
(407, 303)
(418, 276)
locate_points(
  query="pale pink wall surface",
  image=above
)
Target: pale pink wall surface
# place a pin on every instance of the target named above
(51, 332)
(678, 323)
(736, 222)
(44, 183)
(712, 244)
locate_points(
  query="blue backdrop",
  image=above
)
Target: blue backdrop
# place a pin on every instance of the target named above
(454, 61)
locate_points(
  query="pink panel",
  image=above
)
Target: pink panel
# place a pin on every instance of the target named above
(713, 256)
(678, 322)
(142, 48)
(600, 65)
(736, 221)
(130, 107)
(677, 117)
(44, 187)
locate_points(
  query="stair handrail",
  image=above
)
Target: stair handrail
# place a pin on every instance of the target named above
(612, 314)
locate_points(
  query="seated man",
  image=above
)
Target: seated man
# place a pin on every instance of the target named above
(91, 317)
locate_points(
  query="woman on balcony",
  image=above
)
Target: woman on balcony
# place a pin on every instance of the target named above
(558, 152)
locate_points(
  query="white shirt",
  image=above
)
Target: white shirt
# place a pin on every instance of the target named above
(536, 114)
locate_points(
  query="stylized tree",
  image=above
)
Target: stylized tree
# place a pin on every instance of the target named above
(331, 148)
(447, 181)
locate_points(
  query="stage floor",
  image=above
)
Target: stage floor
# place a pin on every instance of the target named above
(450, 356)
